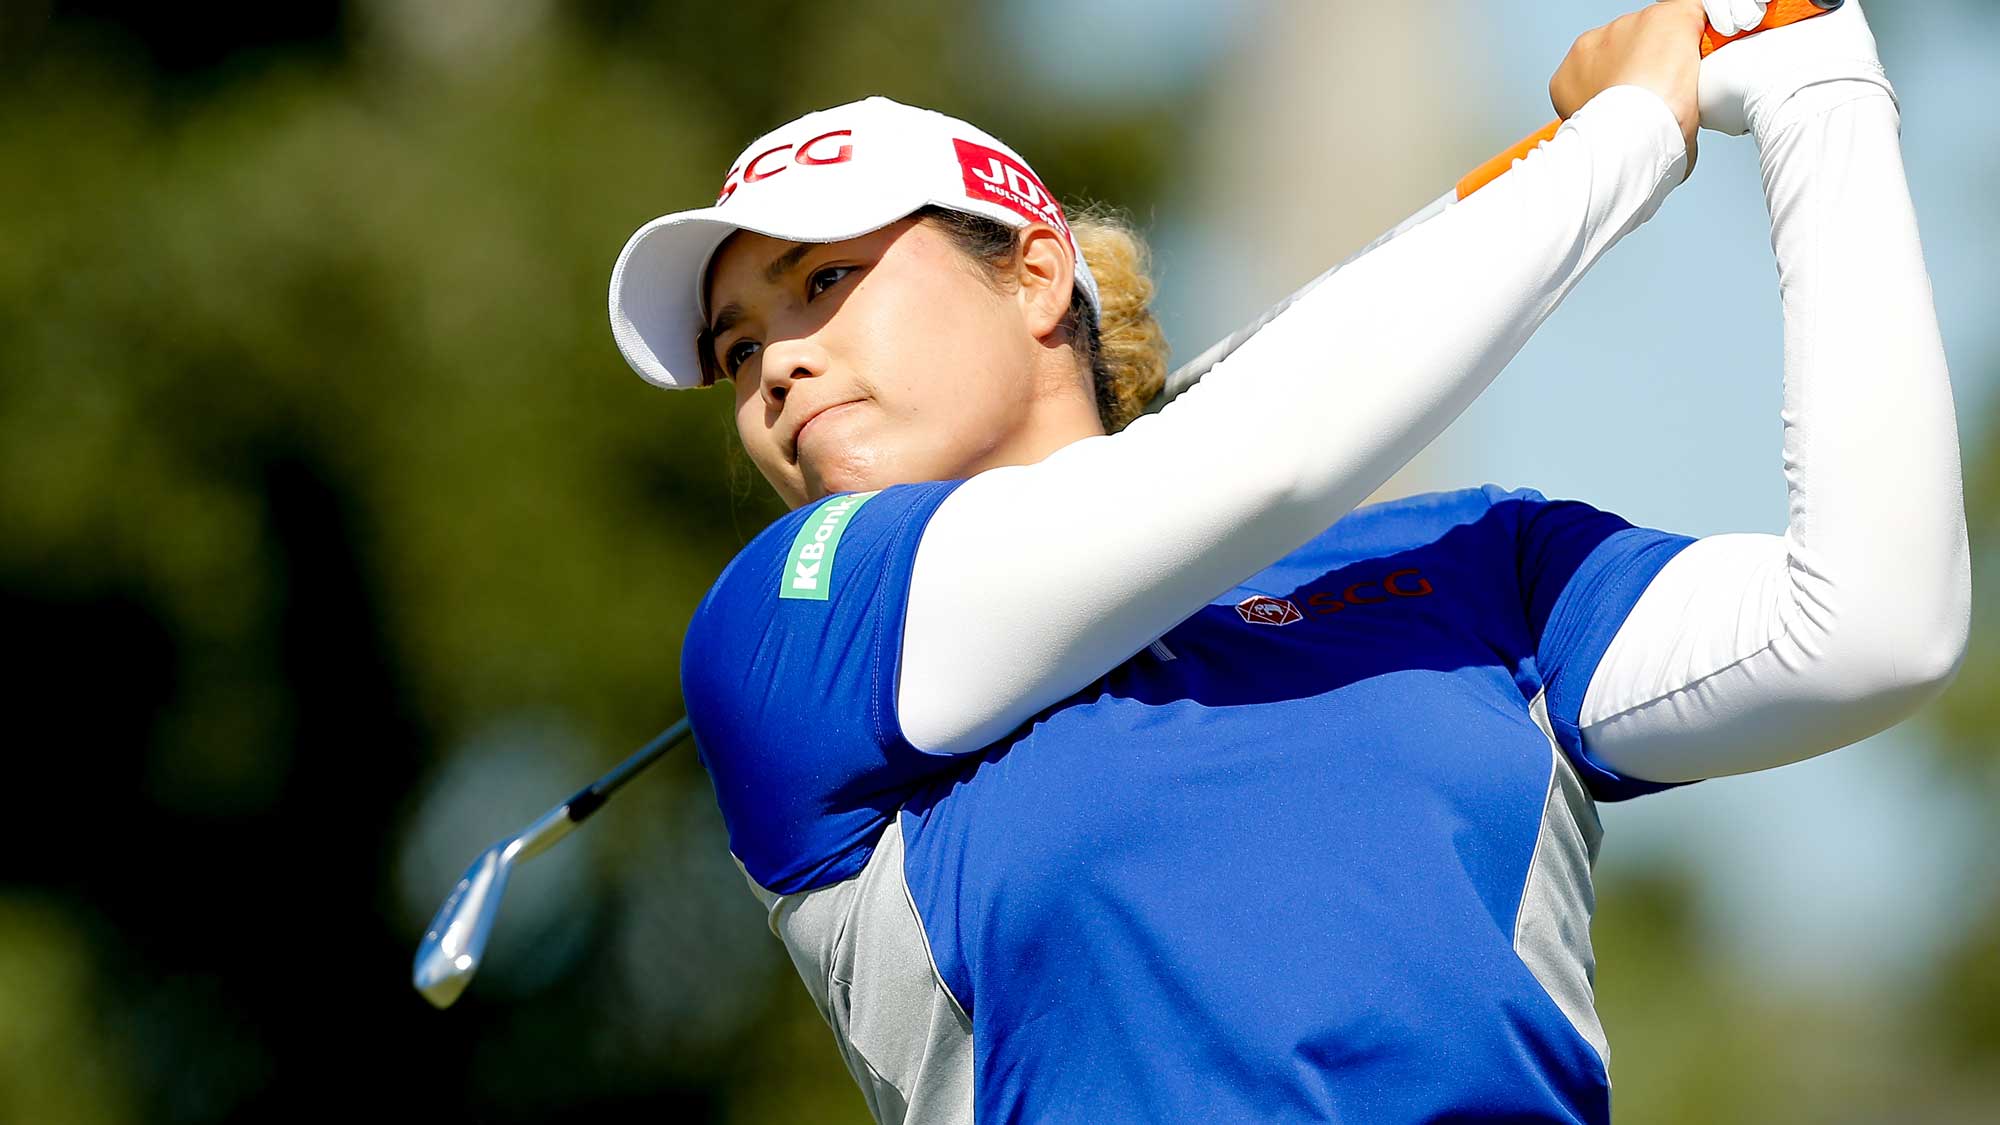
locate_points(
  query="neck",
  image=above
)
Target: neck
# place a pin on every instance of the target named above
(1063, 409)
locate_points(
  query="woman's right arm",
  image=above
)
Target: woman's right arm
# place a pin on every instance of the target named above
(1043, 577)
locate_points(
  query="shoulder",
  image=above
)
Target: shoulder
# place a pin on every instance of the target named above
(1545, 541)
(1448, 508)
(1462, 519)
(811, 554)
(788, 671)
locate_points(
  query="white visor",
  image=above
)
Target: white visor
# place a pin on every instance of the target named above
(835, 174)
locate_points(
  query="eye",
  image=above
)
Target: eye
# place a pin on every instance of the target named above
(737, 355)
(825, 279)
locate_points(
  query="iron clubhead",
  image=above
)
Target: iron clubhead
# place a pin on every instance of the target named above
(456, 940)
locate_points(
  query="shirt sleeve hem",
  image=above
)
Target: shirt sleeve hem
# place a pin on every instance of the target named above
(1622, 581)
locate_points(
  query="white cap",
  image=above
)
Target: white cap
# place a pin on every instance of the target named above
(835, 174)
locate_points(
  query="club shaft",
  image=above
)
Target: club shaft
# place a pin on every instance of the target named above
(553, 825)
(589, 799)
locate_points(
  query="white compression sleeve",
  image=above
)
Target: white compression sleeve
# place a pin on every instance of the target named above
(1751, 651)
(1033, 580)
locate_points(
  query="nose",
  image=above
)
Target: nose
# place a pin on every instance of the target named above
(785, 363)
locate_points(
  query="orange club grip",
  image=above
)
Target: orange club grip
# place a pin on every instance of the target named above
(1779, 14)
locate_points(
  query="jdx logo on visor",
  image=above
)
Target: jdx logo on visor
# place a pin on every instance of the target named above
(995, 177)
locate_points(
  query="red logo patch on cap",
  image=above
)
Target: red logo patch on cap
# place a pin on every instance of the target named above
(1263, 610)
(995, 177)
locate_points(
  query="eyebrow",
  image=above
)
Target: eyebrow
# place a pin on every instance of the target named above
(787, 261)
(732, 313)
(725, 320)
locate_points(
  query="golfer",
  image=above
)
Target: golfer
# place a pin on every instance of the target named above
(1097, 769)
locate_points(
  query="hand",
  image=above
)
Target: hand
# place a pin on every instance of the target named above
(1657, 48)
(1728, 17)
(1744, 83)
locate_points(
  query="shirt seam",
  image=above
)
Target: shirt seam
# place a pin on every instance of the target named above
(923, 931)
(882, 702)
(1535, 856)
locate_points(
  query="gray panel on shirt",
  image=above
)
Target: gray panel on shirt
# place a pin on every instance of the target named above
(864, 957)
(1552, 930)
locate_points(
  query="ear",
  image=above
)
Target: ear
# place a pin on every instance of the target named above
(1045, 274)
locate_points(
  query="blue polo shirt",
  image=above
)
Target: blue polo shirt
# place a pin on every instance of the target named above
(1269, 869)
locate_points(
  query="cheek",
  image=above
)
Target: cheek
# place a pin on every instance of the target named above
(948, 368)
(755, 438)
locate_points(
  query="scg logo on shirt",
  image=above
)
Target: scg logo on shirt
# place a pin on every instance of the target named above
(1409, 583)
(1263, 609)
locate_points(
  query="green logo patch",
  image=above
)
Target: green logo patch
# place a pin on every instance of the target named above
(809, 566)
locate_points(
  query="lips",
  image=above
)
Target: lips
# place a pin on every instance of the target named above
(814, 416)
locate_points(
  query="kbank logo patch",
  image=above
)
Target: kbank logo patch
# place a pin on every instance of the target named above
(809, 566)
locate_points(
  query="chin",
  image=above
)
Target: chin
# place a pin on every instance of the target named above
(855, 468)
(871, 459)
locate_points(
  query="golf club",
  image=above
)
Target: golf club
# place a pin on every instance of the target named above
(456, 940)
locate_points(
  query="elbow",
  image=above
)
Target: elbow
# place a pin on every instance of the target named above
(1931, 661)
(1919, 668)
(1903, 655)
(1936, 632)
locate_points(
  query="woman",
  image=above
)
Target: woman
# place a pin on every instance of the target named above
(1107, 772)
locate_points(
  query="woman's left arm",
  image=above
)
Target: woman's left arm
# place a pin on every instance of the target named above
(1752, 651)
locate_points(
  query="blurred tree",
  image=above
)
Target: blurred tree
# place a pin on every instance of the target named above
(1961, 1009)
(52, 1064)
(185, 48)
(316, 460)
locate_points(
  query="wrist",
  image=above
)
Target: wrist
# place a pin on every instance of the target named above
(1772, 110)
(1746, 85)
(1643, 112)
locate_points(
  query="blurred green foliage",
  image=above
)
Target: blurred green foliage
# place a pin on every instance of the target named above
(1962, 1000)
(316, 459)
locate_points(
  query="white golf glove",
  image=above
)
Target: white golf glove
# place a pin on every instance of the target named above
(1728, 17)
(1745, 82)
